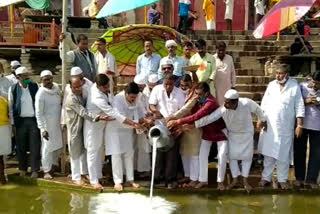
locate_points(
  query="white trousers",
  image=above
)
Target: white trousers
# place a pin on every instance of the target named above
(269, 164)
(94, 160)
(78, 167)
(191, 167)
(211, 25)
(49, 158)
(235, 169)
(122, 164)
(203, 160)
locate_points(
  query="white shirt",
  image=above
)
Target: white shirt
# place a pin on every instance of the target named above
(26, 103)
(13, 79)
(5, 84)
(167, 105)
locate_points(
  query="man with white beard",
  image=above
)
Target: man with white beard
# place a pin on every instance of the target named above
(284, 107)
(119, 138)
(236, 113)
(48, 111)
(86, 85)
(100, 102)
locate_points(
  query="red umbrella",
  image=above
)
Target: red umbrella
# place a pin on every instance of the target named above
(282, 15)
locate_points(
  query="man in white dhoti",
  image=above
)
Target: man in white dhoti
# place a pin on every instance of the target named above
(5, 133)
(86, 85)
(99, 102)
(106, 62)
(229, 14)
(76, 114)
(284, 107)
(225, 72)
(119, 138)
(165, 100)
(236, 113)
(48, 111)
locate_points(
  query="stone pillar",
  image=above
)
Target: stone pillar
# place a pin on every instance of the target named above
(94, 24)
(25, 59)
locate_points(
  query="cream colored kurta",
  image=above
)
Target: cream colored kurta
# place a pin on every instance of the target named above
(239, 126)
(119, 137)
(225, 76)
(207, 69)
(107, 63)
(48, 111)
(281, 109)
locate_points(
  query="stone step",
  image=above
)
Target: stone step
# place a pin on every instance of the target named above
(249, 72)
(256, 96)
(243, 42)
(251, 88)
(253, 79)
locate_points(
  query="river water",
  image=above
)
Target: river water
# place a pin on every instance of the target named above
(16, 199)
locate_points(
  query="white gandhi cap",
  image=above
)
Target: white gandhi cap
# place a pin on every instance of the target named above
(140, 80)
(14, 63)
(75, 71)
(153, 78)
(170, 43)
(45, 73)
(231, 94)
(22, 70)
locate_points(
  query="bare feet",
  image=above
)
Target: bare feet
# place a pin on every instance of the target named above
(234, 183)
(22, 173)
(246, 185)
(118, 187)
(79, 182)
(264, 183)
(221, 186)
(97, 186)
(192, 184)
(201, 185)
(314, 186)
(133, 184)
(172, 185)
(34, 175)
(47, 176)
(284, 185)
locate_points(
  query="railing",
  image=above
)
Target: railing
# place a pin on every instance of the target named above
(29, 34)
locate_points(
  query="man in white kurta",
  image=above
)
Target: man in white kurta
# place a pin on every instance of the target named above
(99, 102)
(165, 100)
(76, 72)
(236, 113)
(48, 111)
(106, 62)
(225, 72)
(142, 146)
(119, 137)
(284, 107)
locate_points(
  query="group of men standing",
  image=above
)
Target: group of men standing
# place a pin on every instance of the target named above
(194, 107)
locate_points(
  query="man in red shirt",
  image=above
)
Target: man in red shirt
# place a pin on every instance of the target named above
(211, 133)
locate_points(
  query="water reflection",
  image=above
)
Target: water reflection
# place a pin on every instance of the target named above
(27, 199)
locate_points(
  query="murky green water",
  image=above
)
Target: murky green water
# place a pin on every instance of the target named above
(26, 199)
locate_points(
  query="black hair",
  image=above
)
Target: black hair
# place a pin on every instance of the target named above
(221, 44)
(168, 77)
(148, 40)
(316, 76)
(284, 67)
(132, 88)
(200, 43)
(81, 37)
(101, 40)
(203, 86)
(186, 78)
(187, 44)
(102, 80)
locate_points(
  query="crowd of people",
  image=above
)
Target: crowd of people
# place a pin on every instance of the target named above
(192, 98)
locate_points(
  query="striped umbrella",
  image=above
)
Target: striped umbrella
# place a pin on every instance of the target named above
(282, 15)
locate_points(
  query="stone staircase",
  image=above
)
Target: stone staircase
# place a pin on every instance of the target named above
(246, 51)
